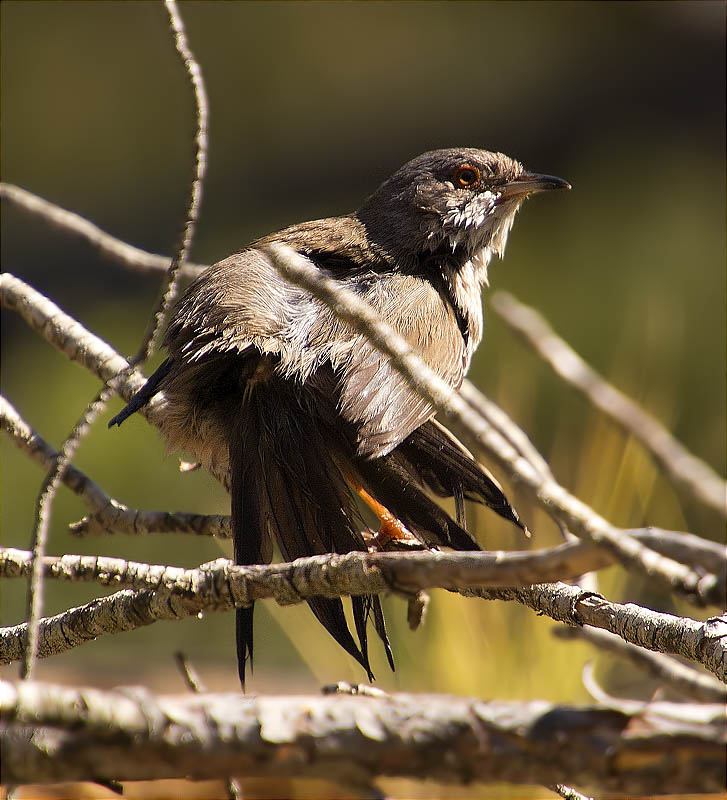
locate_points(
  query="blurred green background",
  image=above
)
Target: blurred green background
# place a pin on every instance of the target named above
(312, 105)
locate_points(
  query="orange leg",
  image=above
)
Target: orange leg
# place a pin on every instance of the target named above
(392, 528)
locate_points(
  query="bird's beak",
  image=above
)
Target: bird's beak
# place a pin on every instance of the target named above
(531, 182)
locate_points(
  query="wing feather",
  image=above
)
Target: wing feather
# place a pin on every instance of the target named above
(374, 396)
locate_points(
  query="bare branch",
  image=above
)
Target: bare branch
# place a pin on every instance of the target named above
(118, 518)
(502, 568)
(76, 342)
(131, 734)
(196, 685)
(703, 642)
(683, 468)
(683, 679)
(174, 593)
(109, 246)
(685, 547)
(123, 611)
(67, 334)
(501, 422)
(328, 575)
(711, 714)
(189, 673)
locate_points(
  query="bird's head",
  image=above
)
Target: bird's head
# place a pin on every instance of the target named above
(455, 200)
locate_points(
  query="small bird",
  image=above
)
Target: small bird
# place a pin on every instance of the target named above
(265, 386)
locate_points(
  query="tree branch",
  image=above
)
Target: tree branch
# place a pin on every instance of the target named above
(131, 734)
(679, 677)
(683, 468)
(76, 342)
(104, 243)
(68, 335)
(109, 515)
(173, 593)
(28, 440)
(703, 642)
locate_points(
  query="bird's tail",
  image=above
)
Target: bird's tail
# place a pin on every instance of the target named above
(286, 487)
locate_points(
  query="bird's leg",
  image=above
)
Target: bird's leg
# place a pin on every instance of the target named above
(392, 528)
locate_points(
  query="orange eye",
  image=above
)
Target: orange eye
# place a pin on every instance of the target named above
(466, 176)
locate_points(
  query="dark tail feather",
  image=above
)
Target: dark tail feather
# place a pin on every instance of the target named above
(445, 465)
(307, 502)
(329, 612)
(251, 544)
(380, 628)
(392, 483)
(244, 638)
(144, 395)
(361, 609)
(292, 504)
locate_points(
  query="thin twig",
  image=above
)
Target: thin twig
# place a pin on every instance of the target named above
(634, 624)
(699, 714)
(67, 334)
(502, 422)
(118, 518)
(683, 468)
(77, 342)
(195, 685)
(681, 678)
(170, 285)
(189, 673)
(28, 440)
(104, 243)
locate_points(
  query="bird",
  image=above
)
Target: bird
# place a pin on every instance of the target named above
(301, 415)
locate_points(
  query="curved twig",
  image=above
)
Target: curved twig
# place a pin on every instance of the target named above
(682, 467)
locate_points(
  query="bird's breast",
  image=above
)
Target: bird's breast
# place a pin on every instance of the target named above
(464, 287)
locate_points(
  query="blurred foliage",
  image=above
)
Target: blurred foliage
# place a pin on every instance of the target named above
(312, 105)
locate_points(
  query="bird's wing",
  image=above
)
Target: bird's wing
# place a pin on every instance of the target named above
(242, 305)
(239, 302)
(374, 396)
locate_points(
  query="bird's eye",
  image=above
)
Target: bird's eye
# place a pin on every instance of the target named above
(466, 176)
